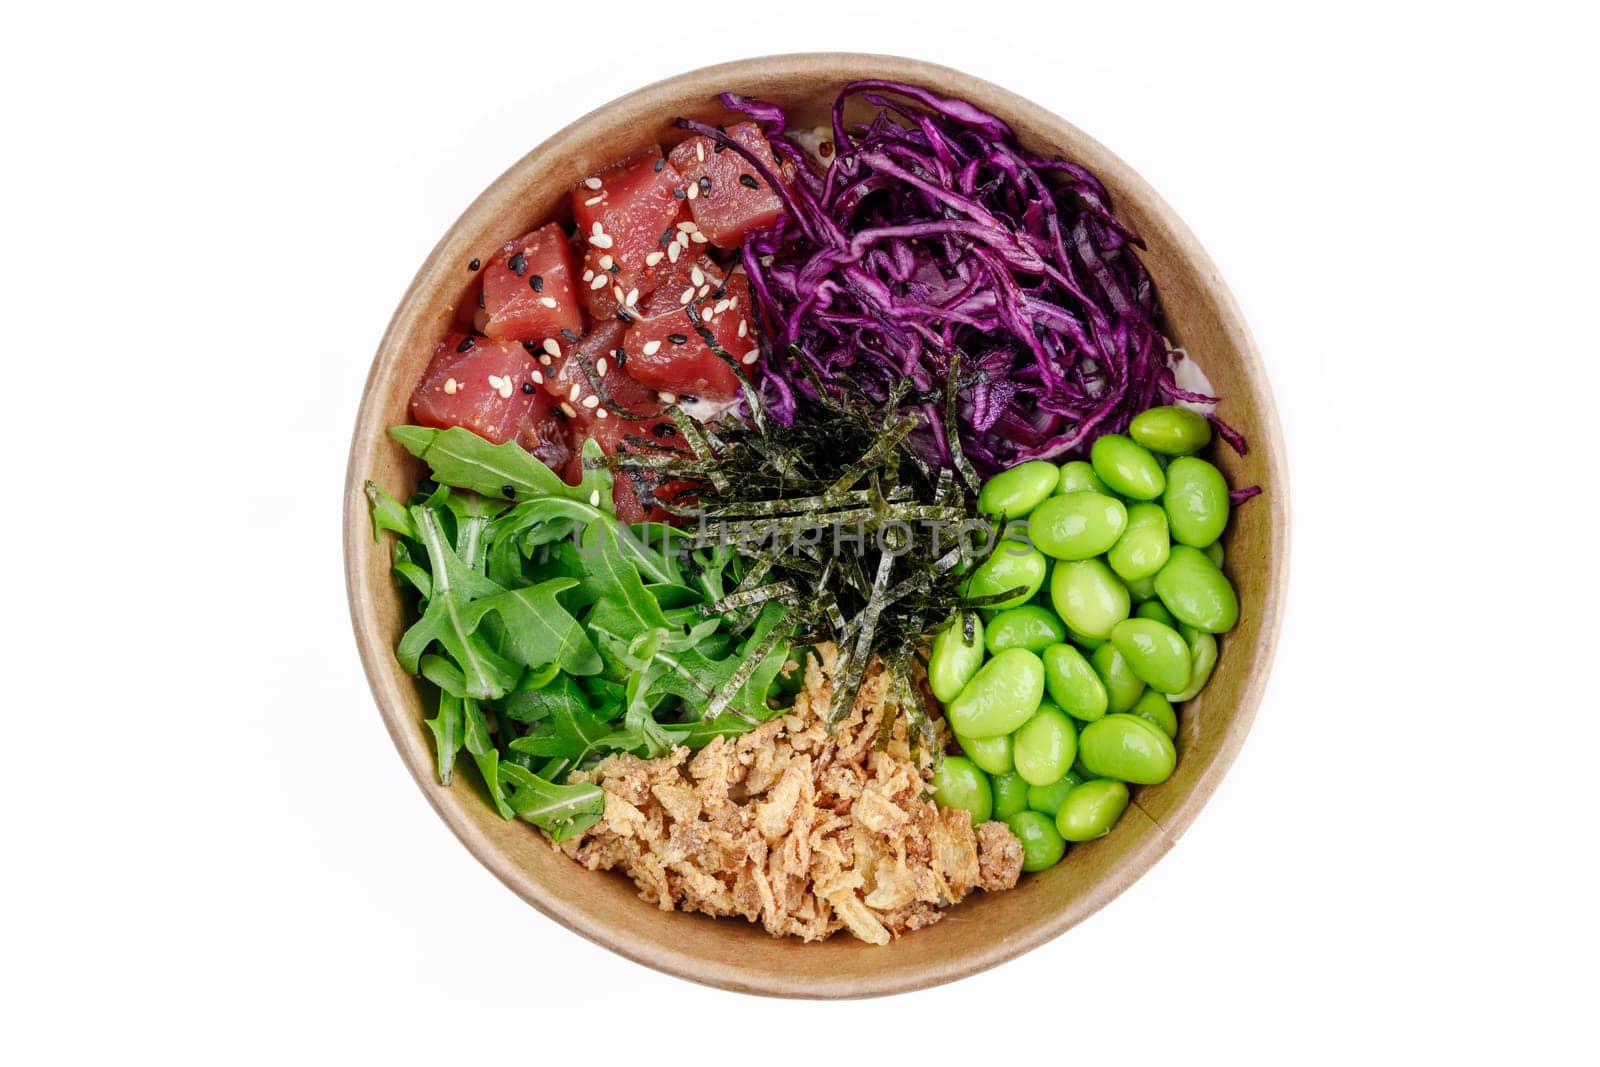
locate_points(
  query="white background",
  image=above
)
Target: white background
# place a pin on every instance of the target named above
(212, 854)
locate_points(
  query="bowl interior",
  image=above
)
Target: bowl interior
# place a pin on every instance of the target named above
(987, 928)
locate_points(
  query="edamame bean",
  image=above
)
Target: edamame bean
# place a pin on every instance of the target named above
(1126, 467)
(1073, 683)
(1202, 661)
(991, 754)
(1129, 749)
(1045, 746)
(1001, 697)
(1196, 500)
(1144, 546)
(1122, 685)
(1196, 592)
(956, 655)
(1173, 430)
(1048, 798)
(1214, 553)
(1029, 626)
(1141, 589)
(1012, 565)
(1156, 709)
(1010, 795)
(1078, 475)
(1077, 525)
(1084, 641)
(1042, 844)
(1155, 609)
(1091, 810)
(1013, 493)
(1155, 651)
(1088, 597)
(957, 783)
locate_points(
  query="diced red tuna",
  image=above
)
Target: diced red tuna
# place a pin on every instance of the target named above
(730, 198)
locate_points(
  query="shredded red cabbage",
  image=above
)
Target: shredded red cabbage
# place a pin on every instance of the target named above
(934, 232)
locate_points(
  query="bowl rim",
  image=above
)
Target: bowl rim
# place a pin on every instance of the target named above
(385, 678)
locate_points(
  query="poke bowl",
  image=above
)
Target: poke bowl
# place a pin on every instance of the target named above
(435, 326)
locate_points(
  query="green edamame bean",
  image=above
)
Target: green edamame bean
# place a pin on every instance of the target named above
(1010, 795)
(1077, 476)
(1173, 430)
(1029, 626)
(1088, 597)
(1084, 641)
(1127, 468)
(1001, 697)
(1012, 565)
(1122, 685)
(1073, 683)
(1142, 589)
(1155, 609)
(957, 783)
(1215, 554)
(1077, 525)
(991, 754)
(1045, 746)
(1091, 810)
(1196, 500)
(1048, 798)
(1196, 592)
(1144, 546)
(1156, 709)
(1157, 653)
(1202, 661)
(1129, 749)
(956, 655)
(1042, 844)
(1013, 493)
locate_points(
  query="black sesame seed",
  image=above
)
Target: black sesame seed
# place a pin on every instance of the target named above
(527, 387)
(749, 181)
(705, 185)
(664, 429)
(678, 194)
(558, 413)
(474, 265)
(718, 293)
(532, 349)
(623, 316)
(480, 301)
(465, 345)
(685, 398)
(568, 336)
(658, 164)
(619, 355)
(508, 491)
(677, 338)
(666, 237)
(615, 268)
(536, 283)
(518, 263)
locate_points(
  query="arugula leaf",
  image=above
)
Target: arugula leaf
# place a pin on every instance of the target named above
(460, 458)
(570, 730)
(537, 630)
(388, 514)
(562, 811)
(446, 728)
(484, 754)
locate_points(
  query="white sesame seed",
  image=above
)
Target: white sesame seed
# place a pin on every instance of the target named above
(700, 151)
(600, 366)
(750, 356)
(538, 379)
(686, 296)
(593, 183)
(606, 262)
(694, 190)
(450, 387)
(652, 259)
(697, 276)
(633, 297)
(733, 301)
(599, 282)
(721, 306)
(592, 201)
(505, 388)
(568, 409)
(652, 347)
(705, 289)
(616, 291)
(591, 401)
(601, 240)
(667, 398)
(544, 361)
(588, 274)
(744, 327)
(551, 347)
(601, 413)
(674, 250)
(572, 394)
(697, 237)
(594, 498)
(687, 227)
(548, 301)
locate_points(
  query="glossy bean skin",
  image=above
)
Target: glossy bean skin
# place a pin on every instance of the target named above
(1123, 687)
(1144, 546)
(1154, 609)
(1202, 661)
(1156, 709)
(1157, 653)
(1215, 554)
(1072, 683)
(1011, 565)
(1015, 492)
(1078, 525)
(1048, 798)
(1129, 749)
(1091, 809)
(1088, 597)
(991, 754)
(1142, 589)
(1084, 641)
(1042, 844)
(1010, 795)
(1196, 501)
(1045, 746)
(1171, 430)
(1030, 626)
(1127, 468)
(955, 656)
(1196, 592)
(957, 783)
(1001, 697)
(1077, 476)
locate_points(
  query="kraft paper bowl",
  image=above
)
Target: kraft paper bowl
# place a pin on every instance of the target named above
(987, 929)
